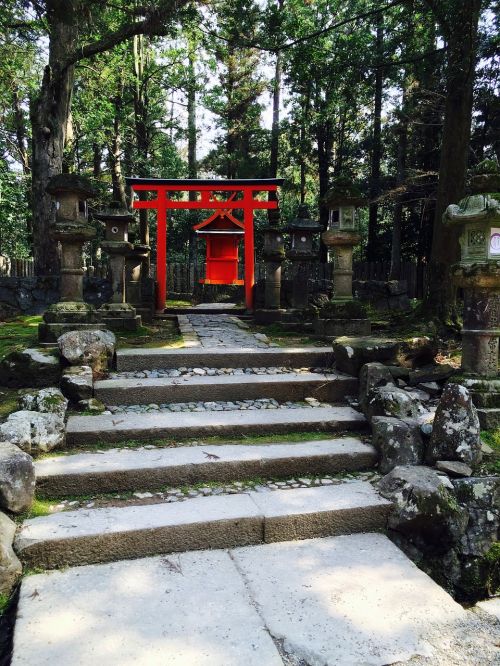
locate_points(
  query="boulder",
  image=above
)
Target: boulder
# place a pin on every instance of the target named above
(352, 353)
(481, 497)
(17, 478)
(391, 400)
(34, 431)
(399, 442)
(455, 432)
(47, 401)
(29, 368)
(417, 351)
(10, 566)
(372, 375)
(426, 511)
(454, 468)
(93, 348)
(77, 383)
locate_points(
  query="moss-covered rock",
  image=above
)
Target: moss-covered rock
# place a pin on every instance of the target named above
(29, 368)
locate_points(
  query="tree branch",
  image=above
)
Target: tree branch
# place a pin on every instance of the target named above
(155, 22)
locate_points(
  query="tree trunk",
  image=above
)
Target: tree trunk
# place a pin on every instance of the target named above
(192, 142)
(49, 117)
(461, 33)
(115, 157)
(372, 245)
(141, 136)
(96, 160)
(21, 134)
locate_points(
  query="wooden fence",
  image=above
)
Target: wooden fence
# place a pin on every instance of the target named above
(16, 267)
(181, 278)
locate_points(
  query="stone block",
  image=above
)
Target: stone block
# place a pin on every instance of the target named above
(30, 368)
(77, 383)
(10, 566)
(352, 353)
(399, 442)
(17, 478)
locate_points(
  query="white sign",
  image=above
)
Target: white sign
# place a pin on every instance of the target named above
(495, 241)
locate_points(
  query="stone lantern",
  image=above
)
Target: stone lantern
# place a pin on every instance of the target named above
(301, 253)
(134, 262)
(342, 234)
(72, 230)
(342, 315)
(478, 273)
(273, 255)
(118, 314)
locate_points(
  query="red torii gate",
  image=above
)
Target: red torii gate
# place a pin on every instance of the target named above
(205, 199)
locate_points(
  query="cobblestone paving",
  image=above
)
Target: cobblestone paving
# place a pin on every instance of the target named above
(213, 372)
(204, 490)
(214, 406)
(223, 331)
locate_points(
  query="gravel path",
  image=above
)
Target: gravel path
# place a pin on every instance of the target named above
(213, 372)
(215, 406)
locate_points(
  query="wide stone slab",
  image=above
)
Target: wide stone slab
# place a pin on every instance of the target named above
(238, 357)
(87, 536)
(185, 610)
(294, 387)
(147, 469)
(343, 601)
(114, 428)
(346, 601)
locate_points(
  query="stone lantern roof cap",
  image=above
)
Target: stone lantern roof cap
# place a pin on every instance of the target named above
(476, 208)
(71, 182)
(344, 192)
(114, 212)
(303, 221)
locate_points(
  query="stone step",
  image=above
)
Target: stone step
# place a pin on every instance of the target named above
(285, 387)
(489, 417)
(121, 470)
(338, 601)
(87, 536)
(238, 357)
(81, 430)
(207, 309)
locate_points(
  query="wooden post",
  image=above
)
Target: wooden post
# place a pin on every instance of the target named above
(249, 247)
(161, 250)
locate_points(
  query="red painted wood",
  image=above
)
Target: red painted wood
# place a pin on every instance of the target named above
(221, 268)
(161, 253)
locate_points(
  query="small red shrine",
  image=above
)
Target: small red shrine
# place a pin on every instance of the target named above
(223, 232)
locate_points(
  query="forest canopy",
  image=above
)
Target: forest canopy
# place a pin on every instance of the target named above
(401, 97)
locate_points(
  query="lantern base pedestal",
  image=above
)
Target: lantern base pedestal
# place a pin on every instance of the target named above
(67, 316)
(342, 317)
(268, 315)
(120, 317)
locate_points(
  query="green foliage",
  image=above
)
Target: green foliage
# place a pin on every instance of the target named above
(18, 334)
(15, 215)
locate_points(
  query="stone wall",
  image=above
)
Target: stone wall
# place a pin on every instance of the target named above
(32, 295)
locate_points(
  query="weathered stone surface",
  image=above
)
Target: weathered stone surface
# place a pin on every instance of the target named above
(33, 431)
(392, 401)
(77, 383)
(439, 372)
(47, 401)
(454, 468)
(17, 478)
(417, 351)
(481, 496)
(456, 430)
(371, 376)
(29, 368)
(352, 353)
(426, 510)
(92, 405)
(94, 348)
(399, 442)
(10, 566)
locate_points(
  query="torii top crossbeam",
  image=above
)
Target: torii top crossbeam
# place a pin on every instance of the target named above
(242, 197)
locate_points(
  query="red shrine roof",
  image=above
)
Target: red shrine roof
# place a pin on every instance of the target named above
(222, 221)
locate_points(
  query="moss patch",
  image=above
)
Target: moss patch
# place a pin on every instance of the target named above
(17, 334)
(4, 602)
(8, 402)
(163, 334)
(491, 463)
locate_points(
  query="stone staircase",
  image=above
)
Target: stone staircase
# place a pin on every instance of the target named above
(86, 536)
(251, 497)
